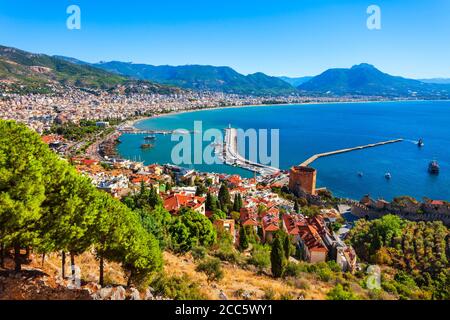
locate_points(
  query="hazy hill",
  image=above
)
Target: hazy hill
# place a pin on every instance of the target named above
(296, 81)
(436, 80)
(366, 80)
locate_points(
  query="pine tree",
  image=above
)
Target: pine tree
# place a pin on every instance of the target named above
(154, 199)
(23, 162)
(296, 207)
(45, 204)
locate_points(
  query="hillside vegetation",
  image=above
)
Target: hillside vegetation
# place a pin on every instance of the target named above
(199, 77)
(419, 250)
(28, 72)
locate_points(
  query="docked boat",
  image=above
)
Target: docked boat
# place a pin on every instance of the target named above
(420, 143)
(146, 146)
(433, 167)
(388, 176)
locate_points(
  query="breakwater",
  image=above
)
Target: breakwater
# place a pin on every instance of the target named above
(331, 153)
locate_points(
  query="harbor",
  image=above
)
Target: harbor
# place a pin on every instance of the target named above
(349, 174)
(231, 156)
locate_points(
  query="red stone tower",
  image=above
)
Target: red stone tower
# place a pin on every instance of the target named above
(302, 180)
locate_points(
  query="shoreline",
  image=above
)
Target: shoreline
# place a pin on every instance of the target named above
(133, 123)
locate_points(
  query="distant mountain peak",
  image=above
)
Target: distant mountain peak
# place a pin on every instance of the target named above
(366, 80)
(364, 66)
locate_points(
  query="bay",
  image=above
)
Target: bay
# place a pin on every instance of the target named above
(308, 129)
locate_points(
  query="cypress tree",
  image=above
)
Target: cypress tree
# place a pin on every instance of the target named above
(243, 238)
(277, 258)
(237, 203)
(210, 204)
(224, 197)
(286, 245)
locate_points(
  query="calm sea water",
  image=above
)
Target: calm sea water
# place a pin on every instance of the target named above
(310, 129)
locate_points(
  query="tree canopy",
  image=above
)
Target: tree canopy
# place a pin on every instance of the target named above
(46, 204)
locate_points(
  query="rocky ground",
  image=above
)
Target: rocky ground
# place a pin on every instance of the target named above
(43, 282)
(40, 281)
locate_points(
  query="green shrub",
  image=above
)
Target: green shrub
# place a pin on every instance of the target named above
(269, 294)
(199, 252)
(260, 257)
(341, 293)
(212, 268)
(325, 275)
(292, 270)
(177, 288)
(227, 252)
(286, 296)
(301, 284)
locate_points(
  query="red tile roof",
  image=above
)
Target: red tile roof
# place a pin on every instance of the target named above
(174, 202)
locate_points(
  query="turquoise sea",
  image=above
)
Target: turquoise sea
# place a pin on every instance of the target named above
(315, 128)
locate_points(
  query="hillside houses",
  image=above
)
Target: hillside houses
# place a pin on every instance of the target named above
(316, 243)
(174, 202)
(262, 210)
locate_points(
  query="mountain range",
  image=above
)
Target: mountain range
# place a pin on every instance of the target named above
(202, 77)
(22, 71)
(366, 80)
(36, 72)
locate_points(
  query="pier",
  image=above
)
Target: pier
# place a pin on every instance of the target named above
(231, 156)
(331, 153)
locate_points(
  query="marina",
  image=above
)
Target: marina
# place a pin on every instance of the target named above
(231, 156)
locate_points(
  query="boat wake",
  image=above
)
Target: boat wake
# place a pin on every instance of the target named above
(416, 142)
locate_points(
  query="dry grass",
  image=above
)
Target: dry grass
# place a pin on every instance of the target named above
(88, 264)
(237, 279)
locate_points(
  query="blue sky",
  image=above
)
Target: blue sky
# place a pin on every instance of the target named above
(278, 37)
